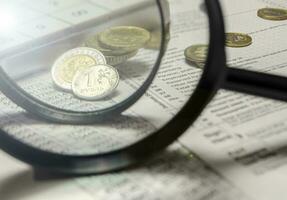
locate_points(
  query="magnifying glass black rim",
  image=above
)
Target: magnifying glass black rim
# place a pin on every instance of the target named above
(57, 115)
(210, 82)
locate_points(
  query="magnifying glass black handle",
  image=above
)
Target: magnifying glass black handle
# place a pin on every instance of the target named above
(256, 83)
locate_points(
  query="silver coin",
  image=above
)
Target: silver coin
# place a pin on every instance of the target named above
(96, 82)
(116, 60)
(74, 60)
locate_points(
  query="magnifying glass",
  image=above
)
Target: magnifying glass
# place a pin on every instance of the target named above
(96, 95)
(99, 49)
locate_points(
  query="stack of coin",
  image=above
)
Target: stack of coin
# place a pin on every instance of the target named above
(274, 14)
(84, 72)
(120, 43)
(196, 54)
(88, 71)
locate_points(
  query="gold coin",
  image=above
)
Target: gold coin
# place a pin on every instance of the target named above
(156, 36)
(73, 64)
(196, 53)
(155, 40)
(124, 37)
(198, 65)
(93, 42)
(238, 40)
(74, 60)
(275, 14)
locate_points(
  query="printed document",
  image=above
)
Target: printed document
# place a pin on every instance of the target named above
(234, 151)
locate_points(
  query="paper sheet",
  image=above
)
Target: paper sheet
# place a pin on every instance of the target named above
(240, 137)
(174, 174)
(246, 139)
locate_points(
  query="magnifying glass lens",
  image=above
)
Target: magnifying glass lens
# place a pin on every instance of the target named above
(98, 59)
(91, 65)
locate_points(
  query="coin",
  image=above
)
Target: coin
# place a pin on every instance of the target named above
(197, 64)
(196, 53)
(200, 65)
(156, 37)
(124, 37)
(96, 82)
(274, 14)
(155, 40)
(93, 42)
(66, 66)
(238, 40)
(116, 60)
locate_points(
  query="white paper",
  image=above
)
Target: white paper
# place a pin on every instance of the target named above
(245, 139)
(234, 125)
(172, 175)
